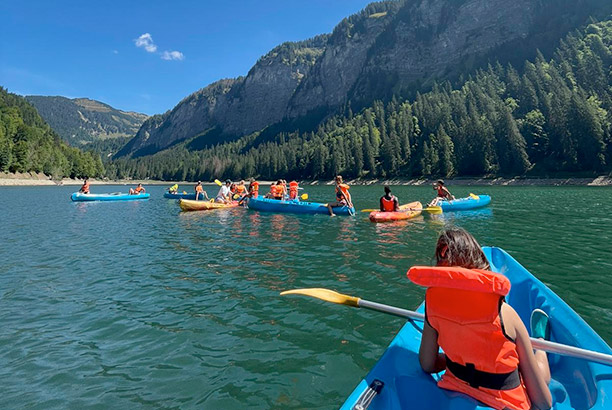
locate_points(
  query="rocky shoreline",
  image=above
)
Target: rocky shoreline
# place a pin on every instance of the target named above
(40, 179)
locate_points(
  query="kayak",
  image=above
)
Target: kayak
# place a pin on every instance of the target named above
(407, 211)
(463, 204)
(116, 196)
(182, 196)
(192, 205)
(295, 206)
(575, 384)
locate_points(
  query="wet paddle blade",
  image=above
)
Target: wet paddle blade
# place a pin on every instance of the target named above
(218, 182)
(474, 196)
(369, 210)
(326, 295)
(304, 197)
(433, 210)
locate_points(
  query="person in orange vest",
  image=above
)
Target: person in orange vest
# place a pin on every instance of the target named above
(388, 202)
(443, 193)
(487, 351)
(253, 188)
(138, 190)
(241, 189)
(343, 196)
(199, 192)
(293, 189)
(85, 188)
(283, 188)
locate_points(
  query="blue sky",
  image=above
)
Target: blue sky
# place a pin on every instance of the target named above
(147, 56)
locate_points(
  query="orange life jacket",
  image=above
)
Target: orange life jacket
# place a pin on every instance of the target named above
(198, 189)
(139, 189)
(463, 306)
(240, 189)
(254, 188)
(85, 188)
(293, 189)
(388, 205)
(276, 191)
(342, 193)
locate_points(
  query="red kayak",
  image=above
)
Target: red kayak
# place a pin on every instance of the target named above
(407, 211)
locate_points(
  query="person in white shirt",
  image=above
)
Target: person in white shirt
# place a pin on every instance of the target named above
(225, 194)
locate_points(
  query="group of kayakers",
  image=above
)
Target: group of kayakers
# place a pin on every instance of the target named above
(390, 203)
(133, 191)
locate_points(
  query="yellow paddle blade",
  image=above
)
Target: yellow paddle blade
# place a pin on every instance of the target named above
(218, 182)
(369, 210)
(433, 210)
(304, 196)
(184, 192)
(473, 196)
(326, 295)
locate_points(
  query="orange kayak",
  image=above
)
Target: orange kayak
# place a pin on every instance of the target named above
(191, 205)
(407, 211)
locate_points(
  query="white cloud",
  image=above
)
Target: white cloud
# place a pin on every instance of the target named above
(146, 41)
(172, 55)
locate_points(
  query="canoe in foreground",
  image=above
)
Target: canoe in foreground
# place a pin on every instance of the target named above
(183, 196)
(190, 205)
(576, 383)
(463, 204)
(295, 206)
(117, 196)
(407, 211)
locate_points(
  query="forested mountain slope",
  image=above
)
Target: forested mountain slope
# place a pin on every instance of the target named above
(81, 121)
(28, 144)
(544, 116)
(391, 48)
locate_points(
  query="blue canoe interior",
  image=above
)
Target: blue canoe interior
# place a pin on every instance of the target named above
(295, 206)
(117, 196)
(182, 196)
(463, 204)
(576, 383)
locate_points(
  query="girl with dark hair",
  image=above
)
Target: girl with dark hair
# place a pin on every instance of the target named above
(487, 351)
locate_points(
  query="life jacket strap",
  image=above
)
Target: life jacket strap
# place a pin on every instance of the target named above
(477, 378)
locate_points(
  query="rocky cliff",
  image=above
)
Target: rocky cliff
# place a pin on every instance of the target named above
(387, 49)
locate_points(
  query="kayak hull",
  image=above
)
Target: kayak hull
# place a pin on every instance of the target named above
(183, 196)
(295, 206)
(576, 383)
(80, 197)
(192, 205)
(464, 204)
(407, 211)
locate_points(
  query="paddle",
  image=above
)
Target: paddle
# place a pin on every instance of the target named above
(474, 196)
(218, 182)
(304, 197)
(430, 209)
(353, 301)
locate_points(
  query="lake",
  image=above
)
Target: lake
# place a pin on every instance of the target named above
(138, 305)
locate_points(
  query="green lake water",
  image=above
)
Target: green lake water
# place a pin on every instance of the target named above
(132, 305)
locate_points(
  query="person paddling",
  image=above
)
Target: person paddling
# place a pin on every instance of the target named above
(253, 188)
(389, 202)
(85, 188)
(173, 189)
(138, 190)
(487, 351)
(199, 191)
(443, 193)
(343, 196)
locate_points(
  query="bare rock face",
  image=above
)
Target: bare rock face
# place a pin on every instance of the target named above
(376, 53)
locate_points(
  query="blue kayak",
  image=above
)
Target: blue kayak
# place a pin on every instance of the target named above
(117, 196)
(576, 383)
(463, 204)
(295, 206)
(183, 196)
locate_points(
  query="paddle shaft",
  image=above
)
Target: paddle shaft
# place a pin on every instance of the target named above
(540, 344)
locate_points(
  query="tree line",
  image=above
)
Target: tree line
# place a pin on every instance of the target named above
(28, 144)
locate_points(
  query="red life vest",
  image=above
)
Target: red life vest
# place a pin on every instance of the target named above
(463, 306)
(293, 189)
(441, 192)
(254, 188)
(388, 205)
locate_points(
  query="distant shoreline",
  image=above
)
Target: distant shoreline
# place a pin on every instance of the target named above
(33, 179)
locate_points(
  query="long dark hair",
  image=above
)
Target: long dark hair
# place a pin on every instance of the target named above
(456, 247)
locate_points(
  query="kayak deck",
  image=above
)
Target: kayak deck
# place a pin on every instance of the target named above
(575, 384)
(407, 211)
(184, 196)
(295, 206)
(118, 196)
(463, 204)
(192, 205)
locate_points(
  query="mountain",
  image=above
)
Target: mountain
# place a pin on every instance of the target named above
(28, 144)
(81, 121)
(391, 48)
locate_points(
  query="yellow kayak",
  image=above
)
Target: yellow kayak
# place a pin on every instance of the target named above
(191, 205)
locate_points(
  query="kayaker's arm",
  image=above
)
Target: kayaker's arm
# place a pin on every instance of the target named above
(536, 377)
(431, 361)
